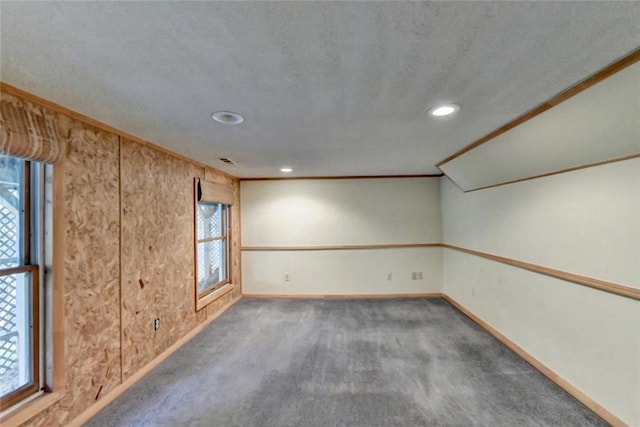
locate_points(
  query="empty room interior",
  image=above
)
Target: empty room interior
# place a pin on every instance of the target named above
(319, 213)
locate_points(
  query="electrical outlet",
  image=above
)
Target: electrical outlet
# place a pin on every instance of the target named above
(419, 275)
(414, 276)
(473, 292)
(286, 277)
(389, 276)
(156, 323)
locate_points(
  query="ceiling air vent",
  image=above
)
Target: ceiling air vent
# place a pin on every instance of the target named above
(227, 161)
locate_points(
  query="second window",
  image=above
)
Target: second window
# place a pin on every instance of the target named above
(213, 246)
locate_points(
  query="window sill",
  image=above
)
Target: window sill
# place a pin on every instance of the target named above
(23, 412)
(208, 299)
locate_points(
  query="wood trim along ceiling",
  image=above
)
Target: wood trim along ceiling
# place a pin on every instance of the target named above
(336, 247)
(602, 285)
(542, 175)
(12, 90)
(342, 177)
(600, 410)
(344, 296)
(611, 69)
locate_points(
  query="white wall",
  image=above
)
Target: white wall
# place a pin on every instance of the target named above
(585, 222)
(329, 212)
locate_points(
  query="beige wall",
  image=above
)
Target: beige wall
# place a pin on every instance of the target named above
(329, 212)
(585, 222)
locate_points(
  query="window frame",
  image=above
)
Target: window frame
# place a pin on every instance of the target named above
(30, 221)
(206, 297)
(223, 237)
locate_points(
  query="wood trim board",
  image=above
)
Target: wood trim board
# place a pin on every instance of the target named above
(602, 285)
(542, 175)
(120, 239)
(587, 401)
(608, 71)
(344, 296)
(337, 247)
(24, 412)
(287, 178)
(27, 96)
(203, 301)
(29, 268)
(614, 288)
(57, 293)
(12, 90)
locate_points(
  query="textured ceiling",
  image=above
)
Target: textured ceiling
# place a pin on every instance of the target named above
(327, 88)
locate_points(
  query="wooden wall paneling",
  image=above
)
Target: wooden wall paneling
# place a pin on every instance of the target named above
(93, 410)
(103, 189)
(91, 266)
(158, 263)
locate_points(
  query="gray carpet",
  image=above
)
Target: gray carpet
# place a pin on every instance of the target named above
(401, 362)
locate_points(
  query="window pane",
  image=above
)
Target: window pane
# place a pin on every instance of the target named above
(11, 181)
(211, 219)
(212, 264)
(15, 332)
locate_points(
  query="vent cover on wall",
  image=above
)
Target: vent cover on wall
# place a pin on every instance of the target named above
(227, 161)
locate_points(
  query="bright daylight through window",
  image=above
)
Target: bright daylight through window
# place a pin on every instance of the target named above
(213, 246)
(19, 280)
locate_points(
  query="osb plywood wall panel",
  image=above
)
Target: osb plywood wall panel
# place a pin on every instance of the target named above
(91, 270)
(92, 266)
(218, 177)
(157, 253)
(117, 190)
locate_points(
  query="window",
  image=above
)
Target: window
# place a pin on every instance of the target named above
(213, 206)
(20, 225)
(213, 247)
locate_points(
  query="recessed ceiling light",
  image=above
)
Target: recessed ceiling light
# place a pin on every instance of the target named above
(286, 170)
(227, 117)
(444, 110)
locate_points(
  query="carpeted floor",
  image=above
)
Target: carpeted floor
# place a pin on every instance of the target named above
(399, 362)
